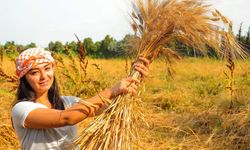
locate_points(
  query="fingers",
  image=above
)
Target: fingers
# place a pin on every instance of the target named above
(142, 66)
(132, 89)
(142, 69)
(145, 61)
(132, 80)
(127, 85)
(131, 85)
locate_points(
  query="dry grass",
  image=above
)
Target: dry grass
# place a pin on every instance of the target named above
(8, 138)
(157, 23)
(197, 114)
(189, 112)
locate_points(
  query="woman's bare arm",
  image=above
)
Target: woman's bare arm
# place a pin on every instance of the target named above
(52, 118)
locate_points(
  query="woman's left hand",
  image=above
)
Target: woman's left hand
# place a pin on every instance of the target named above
(129, 84)
(142, 65)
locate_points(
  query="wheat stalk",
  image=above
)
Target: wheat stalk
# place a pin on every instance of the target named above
(157, 23)
(231, 67)
(82, 56)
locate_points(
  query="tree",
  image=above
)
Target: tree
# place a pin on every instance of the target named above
(72, 46)
(10, 48)
(98, 48)
(20, 48)
(90, 45)
(248, 36)
(31, 45)
(240, 31)
(108, 46)
(128, 45)
(105, 43)
(56, 47)
(51, 45)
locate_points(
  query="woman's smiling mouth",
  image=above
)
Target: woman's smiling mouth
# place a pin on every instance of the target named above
(44, 83)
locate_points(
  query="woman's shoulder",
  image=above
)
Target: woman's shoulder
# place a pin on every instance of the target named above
(21, 110)
(70, 100)
(27, 104)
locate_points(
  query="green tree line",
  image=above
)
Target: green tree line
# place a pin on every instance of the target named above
(110, 47)
(106, 48)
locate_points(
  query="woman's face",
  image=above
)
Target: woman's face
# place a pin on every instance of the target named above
(41, 77)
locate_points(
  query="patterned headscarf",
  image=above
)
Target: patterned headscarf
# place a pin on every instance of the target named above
(30, 58)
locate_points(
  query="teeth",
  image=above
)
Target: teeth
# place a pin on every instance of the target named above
(44, 82)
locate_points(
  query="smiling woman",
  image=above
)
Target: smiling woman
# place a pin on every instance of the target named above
(40, 78)
(41, 117)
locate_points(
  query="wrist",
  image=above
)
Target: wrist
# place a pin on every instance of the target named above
(107, 93)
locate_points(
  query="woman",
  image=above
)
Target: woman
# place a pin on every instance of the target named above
(41, 117)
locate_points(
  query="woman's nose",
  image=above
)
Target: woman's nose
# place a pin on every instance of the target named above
(42, 75)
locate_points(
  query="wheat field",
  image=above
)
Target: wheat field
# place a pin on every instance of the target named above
(188, 109)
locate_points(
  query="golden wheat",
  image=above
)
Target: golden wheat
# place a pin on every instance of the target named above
(157, 23)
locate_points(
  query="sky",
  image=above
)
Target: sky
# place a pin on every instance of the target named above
(42, 21)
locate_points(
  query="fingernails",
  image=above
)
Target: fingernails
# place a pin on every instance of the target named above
(138, 81)
(128, 89)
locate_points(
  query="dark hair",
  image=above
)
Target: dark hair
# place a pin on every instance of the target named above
(26, 93)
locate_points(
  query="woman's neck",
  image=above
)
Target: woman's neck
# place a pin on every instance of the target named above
(43, 99)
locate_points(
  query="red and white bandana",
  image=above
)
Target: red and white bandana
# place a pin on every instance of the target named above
(30, 58)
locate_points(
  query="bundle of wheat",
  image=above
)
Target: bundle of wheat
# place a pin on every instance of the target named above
(157, 23)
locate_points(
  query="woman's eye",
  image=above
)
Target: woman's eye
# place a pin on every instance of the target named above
(47, 68)
(33, 73)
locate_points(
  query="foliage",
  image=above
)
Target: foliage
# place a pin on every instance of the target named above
(10, 48)
(109, 47)
(90, 46)
(56, 47)
(31, 45)
(248, 38)
(239, 36)
(72, 46)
